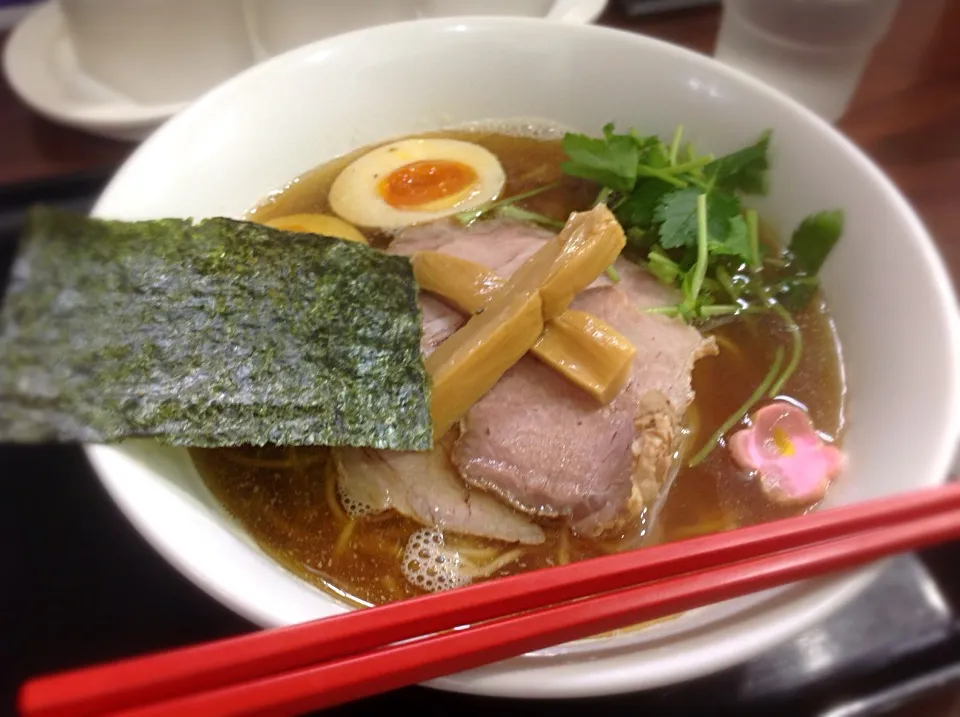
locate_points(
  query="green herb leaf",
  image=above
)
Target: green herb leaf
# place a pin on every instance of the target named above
(723, 209)
(736, 241)
(678, 213)
(512, 211)
(795, 294)
(815, 238)
(662, 266)
(611, 161)
(219, 333)
(639, 207)
(643, 142)
(655, 155)
(744, 170)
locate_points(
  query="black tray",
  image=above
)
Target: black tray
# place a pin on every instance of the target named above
(80, 586)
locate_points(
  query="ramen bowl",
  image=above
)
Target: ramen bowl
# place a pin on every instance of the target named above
(889, 293)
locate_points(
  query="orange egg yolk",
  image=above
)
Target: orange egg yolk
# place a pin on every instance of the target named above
(426, 181)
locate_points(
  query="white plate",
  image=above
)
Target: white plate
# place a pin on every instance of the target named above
(889, 292)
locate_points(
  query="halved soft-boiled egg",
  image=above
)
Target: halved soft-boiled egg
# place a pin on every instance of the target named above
(414, 181)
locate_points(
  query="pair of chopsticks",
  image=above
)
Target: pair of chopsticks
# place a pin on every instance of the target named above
(305, 667)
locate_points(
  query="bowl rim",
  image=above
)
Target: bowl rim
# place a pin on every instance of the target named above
(807, 602)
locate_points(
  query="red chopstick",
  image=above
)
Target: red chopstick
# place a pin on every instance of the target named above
(259, 673)
(356, 677)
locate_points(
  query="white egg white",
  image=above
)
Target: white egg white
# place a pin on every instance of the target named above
(354, 195)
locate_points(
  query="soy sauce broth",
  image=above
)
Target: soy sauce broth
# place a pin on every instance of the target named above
(285, 498)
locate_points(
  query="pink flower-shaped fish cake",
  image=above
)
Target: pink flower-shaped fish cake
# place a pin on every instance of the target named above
(794, 464)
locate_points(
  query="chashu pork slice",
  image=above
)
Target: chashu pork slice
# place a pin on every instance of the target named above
(499, 245)
(439, 322)
(425, 487)
(548, 448)
(540, 442)
(536, 440)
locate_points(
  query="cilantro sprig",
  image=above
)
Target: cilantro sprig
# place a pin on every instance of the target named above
(686, 223)
(663, 194)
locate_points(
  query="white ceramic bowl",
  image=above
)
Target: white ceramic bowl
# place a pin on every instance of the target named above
(889, 292)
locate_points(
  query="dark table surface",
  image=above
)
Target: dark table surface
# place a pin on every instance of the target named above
(80, 585)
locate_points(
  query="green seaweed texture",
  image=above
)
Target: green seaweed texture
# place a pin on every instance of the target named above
(216, 333)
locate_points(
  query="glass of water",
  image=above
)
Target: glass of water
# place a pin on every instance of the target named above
(814, 50)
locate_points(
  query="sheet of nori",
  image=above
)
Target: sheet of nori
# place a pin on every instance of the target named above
(215, 333)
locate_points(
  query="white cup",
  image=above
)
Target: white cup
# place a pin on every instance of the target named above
(453, 8)
(280, 25)
(158, 51)
(814, 50)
